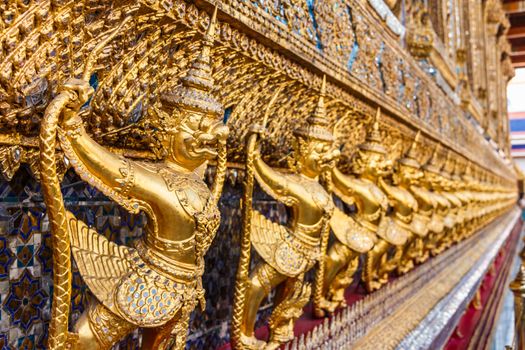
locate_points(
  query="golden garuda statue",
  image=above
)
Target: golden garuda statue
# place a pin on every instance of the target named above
(462, 215)
(441, 189)
(354, 234)
(463, 181)
(407, 173)
(455, 213)
(442, 222)
(372, 223)
(476, 191)
(425, 214)
(157, 283)
(287, 252)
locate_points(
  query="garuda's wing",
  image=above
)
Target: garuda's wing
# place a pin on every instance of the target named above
(351, 233)
(118, 278)
(101, 263)
(391, 232)
(420, 224)
(278, 247)
(436, 224)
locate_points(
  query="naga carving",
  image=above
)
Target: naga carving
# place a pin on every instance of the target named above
(157, 283)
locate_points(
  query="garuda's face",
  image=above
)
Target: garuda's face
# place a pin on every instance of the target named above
(197, 139)
(432, 178)
(316, 156)
(375, 164)
(409, 175)
(447, 182)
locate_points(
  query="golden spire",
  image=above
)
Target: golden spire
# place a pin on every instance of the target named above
(457, 170)
(320, 111)
(317, 124)
(448, 164)
(433, 164)
(193, 94)
(373, 138)
(467, 173)
(375, 135)
(445, 167)
(410, 158)
(412, 152)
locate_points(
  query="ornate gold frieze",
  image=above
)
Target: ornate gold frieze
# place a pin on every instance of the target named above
(249, 61)
(413, 77)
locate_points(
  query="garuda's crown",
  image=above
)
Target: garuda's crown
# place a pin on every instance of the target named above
(373, 138)
(410, 159)
(433, 164)
(194, 91)
(317, 124)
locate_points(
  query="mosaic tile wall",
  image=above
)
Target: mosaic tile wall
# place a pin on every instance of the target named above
(26, 265)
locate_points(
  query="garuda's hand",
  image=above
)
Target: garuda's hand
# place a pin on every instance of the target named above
(79, 92)
(257, 129)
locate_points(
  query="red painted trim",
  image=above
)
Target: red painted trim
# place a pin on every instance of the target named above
(516, 115)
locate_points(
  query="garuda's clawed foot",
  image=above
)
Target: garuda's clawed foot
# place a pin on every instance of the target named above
(405, 267)
(327, 306)
(252, 343)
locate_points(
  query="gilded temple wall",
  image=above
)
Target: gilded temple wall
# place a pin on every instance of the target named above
(442, 69)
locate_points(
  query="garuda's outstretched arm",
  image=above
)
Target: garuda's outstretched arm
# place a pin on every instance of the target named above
(273, 182)
(342, 186)
(341, 182)
(112, 174)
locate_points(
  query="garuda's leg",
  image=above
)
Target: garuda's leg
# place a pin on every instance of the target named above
(413, 252)
(445, 240)
(422, 253)
(390, 262)
(448, 239)
(373, 274)
(291, 298)
(172, 335)
(99, 329)
(341, 265)
(262, 280)
(430, 242)
(436, 243)
(407, 254)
